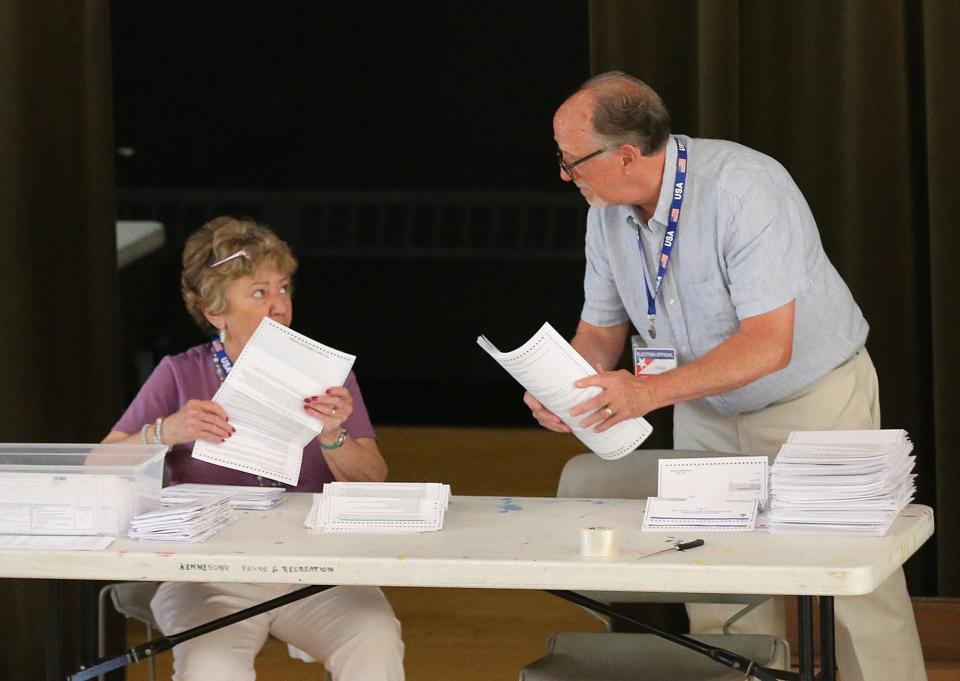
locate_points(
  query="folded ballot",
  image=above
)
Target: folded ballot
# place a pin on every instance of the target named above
(189, 522)
(263, 394)
(379, 507)
(242, 498)
(715, 494)
(548, 367)
(841, 482)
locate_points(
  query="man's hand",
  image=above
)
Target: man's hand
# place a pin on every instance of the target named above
(624, 396)
(544, 416)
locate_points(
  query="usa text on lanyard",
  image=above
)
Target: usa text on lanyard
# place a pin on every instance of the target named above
(673, 222)
(220, 359)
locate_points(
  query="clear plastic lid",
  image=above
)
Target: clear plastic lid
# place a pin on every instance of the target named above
(113, 459)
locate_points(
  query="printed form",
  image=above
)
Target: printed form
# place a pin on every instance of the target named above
(263, 396)
(548, 366)
(63, 504)
(720, 493)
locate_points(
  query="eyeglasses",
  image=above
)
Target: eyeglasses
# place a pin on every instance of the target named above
(567, 167)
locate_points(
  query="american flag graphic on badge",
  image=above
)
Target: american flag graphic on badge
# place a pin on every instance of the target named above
(663, 259)
(675, 214)
(682, 164)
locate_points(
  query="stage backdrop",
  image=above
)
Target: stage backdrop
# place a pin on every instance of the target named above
(859, 100)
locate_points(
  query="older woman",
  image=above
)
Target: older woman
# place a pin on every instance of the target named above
(235, 273)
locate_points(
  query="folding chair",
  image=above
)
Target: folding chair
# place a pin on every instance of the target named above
(611, 656)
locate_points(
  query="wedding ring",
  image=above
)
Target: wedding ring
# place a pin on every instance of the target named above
(608, 411)
(333, 411)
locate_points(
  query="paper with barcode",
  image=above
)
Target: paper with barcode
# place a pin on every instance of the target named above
(709, 515)
(263, 397)
(716, 477)
(371, 507)
(548, 367)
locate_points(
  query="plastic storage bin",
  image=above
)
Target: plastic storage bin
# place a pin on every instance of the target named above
(77, 489)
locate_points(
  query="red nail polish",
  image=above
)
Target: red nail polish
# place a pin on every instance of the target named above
(314, 398)
(306, 399)
(329, 391)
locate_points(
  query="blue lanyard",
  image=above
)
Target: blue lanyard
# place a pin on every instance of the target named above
(220, 359)
(673, 222)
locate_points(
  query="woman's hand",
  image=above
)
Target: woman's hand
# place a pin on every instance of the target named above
(331, 409)
(197, 420)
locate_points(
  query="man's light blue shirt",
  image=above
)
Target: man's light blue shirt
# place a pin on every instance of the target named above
(746, 244)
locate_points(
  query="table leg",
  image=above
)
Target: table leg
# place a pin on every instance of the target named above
(805, 636)
(828, 658)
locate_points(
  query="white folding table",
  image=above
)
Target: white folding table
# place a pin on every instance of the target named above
(507, 543)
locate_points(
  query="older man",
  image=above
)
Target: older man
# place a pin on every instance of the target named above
(709, 249)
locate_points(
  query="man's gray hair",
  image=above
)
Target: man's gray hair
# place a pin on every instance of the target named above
(628, 111)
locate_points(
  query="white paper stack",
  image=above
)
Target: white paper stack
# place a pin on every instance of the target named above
(715, 494)
(841, 482)
(241, 498)
(379, 507)
(185, 522)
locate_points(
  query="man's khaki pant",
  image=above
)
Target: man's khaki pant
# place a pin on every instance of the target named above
(876, 634)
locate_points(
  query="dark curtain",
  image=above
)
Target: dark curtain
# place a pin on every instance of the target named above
(59, 344)
(860, 101)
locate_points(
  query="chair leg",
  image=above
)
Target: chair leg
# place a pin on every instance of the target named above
(102, 623)
(151, 661)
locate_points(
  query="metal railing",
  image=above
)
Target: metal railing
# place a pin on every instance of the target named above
(393, 224)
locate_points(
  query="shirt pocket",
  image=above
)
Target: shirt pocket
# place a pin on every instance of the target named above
(708, 314)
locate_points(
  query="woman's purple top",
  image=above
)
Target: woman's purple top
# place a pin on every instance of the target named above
(192, 375)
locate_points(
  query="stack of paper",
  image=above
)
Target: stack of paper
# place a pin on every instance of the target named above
(548, 367)
(372, 507)
(841, 482)
(241, 498)
(187, 522)
(715, 494)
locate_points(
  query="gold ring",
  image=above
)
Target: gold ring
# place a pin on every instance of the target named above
(608, 411)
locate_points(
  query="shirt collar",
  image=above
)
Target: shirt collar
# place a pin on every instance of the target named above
(662, 213)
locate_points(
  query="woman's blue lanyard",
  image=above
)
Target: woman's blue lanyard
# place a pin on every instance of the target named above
(220, 359)
(673, 222)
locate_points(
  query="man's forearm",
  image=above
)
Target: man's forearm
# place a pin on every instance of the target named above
(733, 364)
(600, 345)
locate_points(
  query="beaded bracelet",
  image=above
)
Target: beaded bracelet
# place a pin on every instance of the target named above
(338, 443)
(157, 432)
(143, 433)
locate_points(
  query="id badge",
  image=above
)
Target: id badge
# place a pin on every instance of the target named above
(649, 361)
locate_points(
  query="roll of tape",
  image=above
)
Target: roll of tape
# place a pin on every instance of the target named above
(598, 541)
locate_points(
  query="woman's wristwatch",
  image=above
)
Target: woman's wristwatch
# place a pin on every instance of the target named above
(338, 443)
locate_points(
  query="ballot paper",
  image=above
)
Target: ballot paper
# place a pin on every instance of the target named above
(717, 493)
(719, 477)
(663, 514)
(263, 396)
(242, 498)
(372, 507)
(190, 522)
(841, 482)
(64, 504)
(548, 367)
